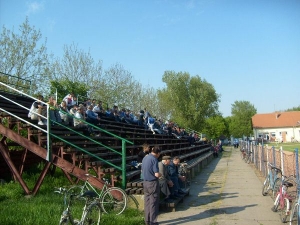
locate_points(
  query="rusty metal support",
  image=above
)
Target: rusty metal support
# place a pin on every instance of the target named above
(41, 178)
(13, 169)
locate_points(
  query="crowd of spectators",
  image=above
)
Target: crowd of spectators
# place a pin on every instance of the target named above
(92, 111)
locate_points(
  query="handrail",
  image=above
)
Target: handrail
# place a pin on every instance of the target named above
(19, 78)
(48, 131)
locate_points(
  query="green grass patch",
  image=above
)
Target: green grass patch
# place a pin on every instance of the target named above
(46, 206)
(286, 146)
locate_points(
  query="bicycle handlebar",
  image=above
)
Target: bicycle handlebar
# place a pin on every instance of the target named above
(274, 167)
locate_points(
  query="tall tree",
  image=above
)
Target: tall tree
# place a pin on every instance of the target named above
(241, 122)
(75, 67)
(23, 56)
(215, 127)
(190, 100)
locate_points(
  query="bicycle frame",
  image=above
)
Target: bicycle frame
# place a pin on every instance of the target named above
(283, 199)
(273, 179)
(67, 216)
(88, 186)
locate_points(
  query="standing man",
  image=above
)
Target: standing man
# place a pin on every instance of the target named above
(165, 181)
(151, 174)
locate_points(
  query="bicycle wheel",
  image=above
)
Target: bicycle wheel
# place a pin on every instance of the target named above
(92, 215)
(114, 200)
(285, 210)
(276, 187)
(266, 186)
(276, 203)
(249, 158)
(294, 217)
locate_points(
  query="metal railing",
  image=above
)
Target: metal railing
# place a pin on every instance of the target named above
(15, 81)
(48, 132)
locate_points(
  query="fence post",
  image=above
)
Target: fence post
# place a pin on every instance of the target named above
(282, 160)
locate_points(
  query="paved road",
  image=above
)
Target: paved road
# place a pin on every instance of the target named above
(226, 192)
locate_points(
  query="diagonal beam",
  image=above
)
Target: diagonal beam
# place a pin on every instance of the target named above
(56, 160)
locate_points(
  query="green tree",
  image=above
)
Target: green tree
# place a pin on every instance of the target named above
(188, 100)
(294, 109)
(241, 122)
(215, 127)
(76, 72)
(23, 56)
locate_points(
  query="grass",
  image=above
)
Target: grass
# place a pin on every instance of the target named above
(46, 206)
(286, 146)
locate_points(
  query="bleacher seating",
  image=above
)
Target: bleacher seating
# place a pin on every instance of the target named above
(198, 154)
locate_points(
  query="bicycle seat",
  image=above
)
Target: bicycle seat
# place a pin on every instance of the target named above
(89, 194)
(288, 184)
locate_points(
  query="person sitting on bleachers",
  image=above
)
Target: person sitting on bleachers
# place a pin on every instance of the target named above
(70, 100)
(141, 117)
(150, 123)
(63, 112)
(176, 178)
(38, 108)
(92, 117)
(98, 109)
(79, 124)
(165, 181)
(53, 110)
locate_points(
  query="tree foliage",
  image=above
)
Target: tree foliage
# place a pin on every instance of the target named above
(294, 109)
(241, 119)
(22, 56)
(188, 100)
(215, 127)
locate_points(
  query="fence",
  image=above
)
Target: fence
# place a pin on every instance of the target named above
(264, 154)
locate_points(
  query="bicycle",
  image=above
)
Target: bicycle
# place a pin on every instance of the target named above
(272, 181)
(283, 199)
(248, 157)
(111, 199)
(91, 212)
(243, 153)
(294, 215)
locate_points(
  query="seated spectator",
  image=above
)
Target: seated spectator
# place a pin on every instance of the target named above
(54, 111)
(37, 109)
(157, 127)
(150, 123)
(92, 117)
(141, 117)
(63, 112)
(134, 119)
(99, 109)
(116, 115)
(73, 110)
(177, 179)
(79, 122)
(165, 181)
(70, 100)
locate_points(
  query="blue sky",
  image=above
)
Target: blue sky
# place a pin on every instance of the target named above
(249, 50)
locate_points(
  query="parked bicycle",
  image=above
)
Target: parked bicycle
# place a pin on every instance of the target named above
(243, 153)
(248, 157)
(111, 199)
(91, 212)
(283, 199)
(273, 180)
(295, 213)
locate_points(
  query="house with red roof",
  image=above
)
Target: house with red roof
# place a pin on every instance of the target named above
(277, 126)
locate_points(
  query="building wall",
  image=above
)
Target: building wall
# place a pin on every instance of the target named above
(286, 134)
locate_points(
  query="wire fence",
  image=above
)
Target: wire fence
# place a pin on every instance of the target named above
(261, 155)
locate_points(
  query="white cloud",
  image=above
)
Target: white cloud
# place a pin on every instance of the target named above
(34, 7)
